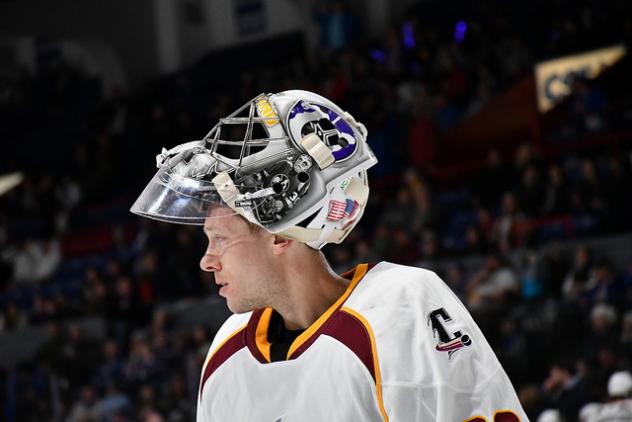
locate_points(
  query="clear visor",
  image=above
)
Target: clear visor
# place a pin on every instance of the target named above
(174, 198)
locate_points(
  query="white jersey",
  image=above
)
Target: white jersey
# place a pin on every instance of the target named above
(617, 411)
(398, 345)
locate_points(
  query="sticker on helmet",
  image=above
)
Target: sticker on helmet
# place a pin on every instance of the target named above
(303, 163)
(305, 118)
(265, 109)
(341, 209)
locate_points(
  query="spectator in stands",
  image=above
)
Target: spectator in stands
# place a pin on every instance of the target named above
(512, 347)
(529, 192)
(184, 263)
(556, 198)
(619, 203)
(493, 286)
(200, 341)
(382, 241)
(567, 389)
(113, 404)
(589, 412)
(86, 407)
(493, 180)
(158, 285)
(142, 366)
(602, 334)
(175, 402)
(35, 261)
(404, 247)
(401, 212)
(426, 215)
(550, 415)
(64, 307)
(575, 281)
(80, 356)
(43, 310)
(123, 310)
(13, 317)
(532, 400)
(531, 277)
(161, 347)
(455, 279)
(524, 158)
(604, 286)
(110, 370)
(95, 293)
(619, 404)
(148, 407)
(554, 269)
(591, 190)
(475, 243)
(503, 231)
(430, 250)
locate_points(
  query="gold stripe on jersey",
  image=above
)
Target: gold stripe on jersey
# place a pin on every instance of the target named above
(261, 337)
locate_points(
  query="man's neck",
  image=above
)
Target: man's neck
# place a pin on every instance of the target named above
(310, 289)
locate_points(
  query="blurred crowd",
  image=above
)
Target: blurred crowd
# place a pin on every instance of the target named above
(559, 317)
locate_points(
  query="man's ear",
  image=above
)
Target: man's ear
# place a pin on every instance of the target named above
(280, 244)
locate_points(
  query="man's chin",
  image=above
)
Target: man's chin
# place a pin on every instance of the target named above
(237, 308)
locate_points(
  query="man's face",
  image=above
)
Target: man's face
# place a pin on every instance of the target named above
(240, 260)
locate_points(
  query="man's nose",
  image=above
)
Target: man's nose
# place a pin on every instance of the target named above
(210, 263)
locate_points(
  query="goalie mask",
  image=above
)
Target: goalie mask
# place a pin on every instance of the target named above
(293, 163)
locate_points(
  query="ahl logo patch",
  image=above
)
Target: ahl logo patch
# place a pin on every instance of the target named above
(447, 343)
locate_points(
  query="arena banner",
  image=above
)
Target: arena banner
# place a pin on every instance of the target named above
(554, 77)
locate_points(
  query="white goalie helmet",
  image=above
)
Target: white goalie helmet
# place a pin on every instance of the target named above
(293, 163)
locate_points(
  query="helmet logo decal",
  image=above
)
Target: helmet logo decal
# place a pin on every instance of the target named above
(265, 109)
(305, 118)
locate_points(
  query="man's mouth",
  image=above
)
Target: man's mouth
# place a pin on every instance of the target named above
(222, 286)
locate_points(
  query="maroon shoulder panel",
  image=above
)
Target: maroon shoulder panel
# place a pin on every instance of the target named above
(351, 332)
(232, 346)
